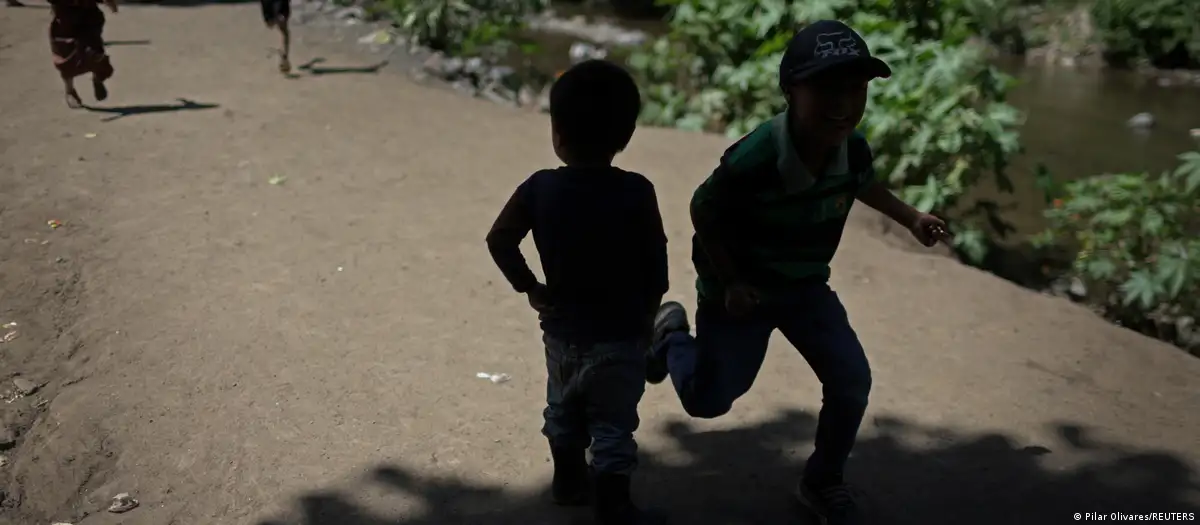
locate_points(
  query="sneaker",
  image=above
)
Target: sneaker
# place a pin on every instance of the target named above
(99, 90)
(833, 505)
(671, 317)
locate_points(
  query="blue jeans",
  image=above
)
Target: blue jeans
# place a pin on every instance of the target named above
(717, 366)
(592, 397)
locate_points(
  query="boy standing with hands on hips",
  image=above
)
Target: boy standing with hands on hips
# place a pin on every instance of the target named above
(600, 237)
(768, 222)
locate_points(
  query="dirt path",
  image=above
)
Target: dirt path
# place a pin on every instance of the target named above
(233, 351)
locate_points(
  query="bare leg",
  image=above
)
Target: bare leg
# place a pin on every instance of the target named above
(72, 96)
(285, 66)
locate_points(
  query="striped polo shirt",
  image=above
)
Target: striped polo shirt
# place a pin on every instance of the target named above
(781, 224)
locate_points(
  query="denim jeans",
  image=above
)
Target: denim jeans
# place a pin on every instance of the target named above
(713, 369)
(592, 397)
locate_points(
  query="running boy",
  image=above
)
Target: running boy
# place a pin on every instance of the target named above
(77, 43)
(600, 237)
(275, 14)
(768, 221)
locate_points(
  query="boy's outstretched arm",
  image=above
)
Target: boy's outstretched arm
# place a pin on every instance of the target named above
(504, 242)
(928, 229)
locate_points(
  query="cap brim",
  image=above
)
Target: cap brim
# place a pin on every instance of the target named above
(870, 66)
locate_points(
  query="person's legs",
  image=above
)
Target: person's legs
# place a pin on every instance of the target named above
(713, 369)
(71, 95)
(566, 423)
(285, 64)
(815, 322)
(614, 380)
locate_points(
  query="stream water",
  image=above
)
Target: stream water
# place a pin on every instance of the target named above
(1075, 118)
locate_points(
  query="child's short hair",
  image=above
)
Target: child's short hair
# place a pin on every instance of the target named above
(594, 107)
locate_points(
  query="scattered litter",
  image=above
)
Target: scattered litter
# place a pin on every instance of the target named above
(8, 337)
(495, 378)
(41, 403)
(89, 135)
(277, 180)
(35, 241)
(3, 461)
(54, 224)
(8, 326)
(24, 386)
(122, 502)
(340, 268)
(380, 37)
(60, 259)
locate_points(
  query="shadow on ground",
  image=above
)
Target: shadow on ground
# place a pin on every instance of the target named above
(911, 474)
(313, 67)
(181, 104)
(114, 43)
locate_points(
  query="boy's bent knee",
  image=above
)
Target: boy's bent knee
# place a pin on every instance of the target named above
(851, 386)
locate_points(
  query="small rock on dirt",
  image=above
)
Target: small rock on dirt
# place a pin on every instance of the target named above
(1141, 121)
(3, 461)
(1077, 289)
(8, 438)
(122, 502)
(351, 13)
(24, 386)
(581, 51)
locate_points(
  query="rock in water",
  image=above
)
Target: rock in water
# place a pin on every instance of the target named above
(1141, 121)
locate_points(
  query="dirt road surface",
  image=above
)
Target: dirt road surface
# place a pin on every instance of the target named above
(305, 353)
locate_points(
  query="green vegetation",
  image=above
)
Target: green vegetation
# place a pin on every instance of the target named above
(939, 126)
(1165, 33)
(487, 28)
(1137, 240)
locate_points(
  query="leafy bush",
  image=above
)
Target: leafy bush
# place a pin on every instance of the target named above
(1164, 32)
(1138, 241)
(465, 27)
(939, 126)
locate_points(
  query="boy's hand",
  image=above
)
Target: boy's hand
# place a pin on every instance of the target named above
(930, 230)
(740, 300)
(539, 298)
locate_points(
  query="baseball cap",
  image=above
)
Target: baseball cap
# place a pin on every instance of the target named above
(825, 44)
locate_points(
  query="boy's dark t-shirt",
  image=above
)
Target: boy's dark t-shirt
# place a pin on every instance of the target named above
(600, 238)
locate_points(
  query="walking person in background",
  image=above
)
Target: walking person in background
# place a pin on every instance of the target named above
(77, 42)
(600, 237)
(276, 14)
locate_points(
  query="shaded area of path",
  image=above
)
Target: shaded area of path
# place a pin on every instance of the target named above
(220, 345)
(742, 477)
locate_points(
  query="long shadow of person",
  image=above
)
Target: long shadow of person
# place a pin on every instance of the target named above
(913, 474)
(183, 104)
(312, 68)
